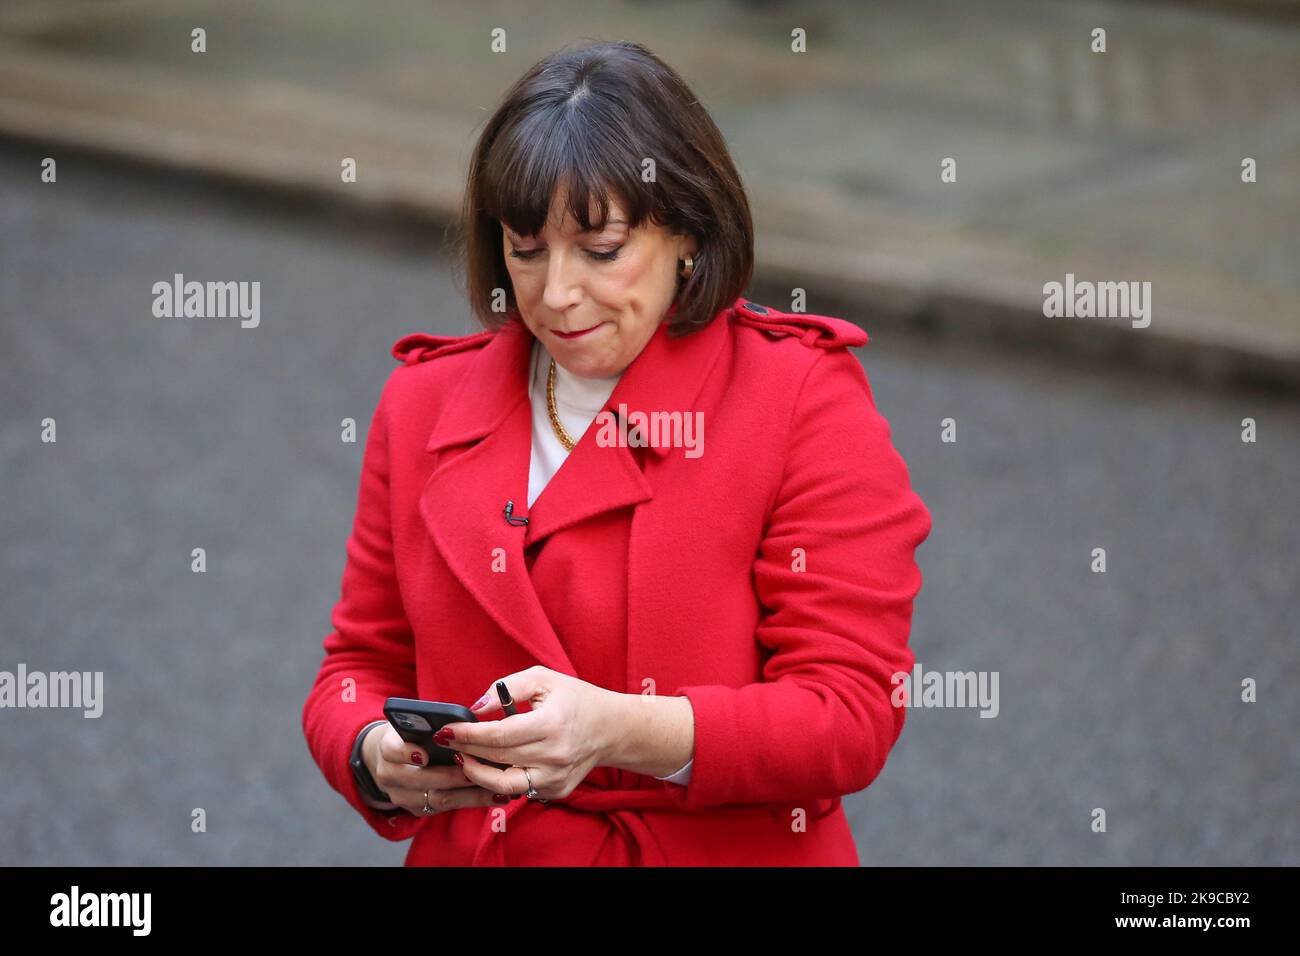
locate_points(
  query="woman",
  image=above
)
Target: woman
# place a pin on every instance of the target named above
(671, 520)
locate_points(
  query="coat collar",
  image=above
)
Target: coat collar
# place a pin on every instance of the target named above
(483, 437)
(667, 375)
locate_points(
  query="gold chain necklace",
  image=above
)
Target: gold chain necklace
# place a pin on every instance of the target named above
(556, 424)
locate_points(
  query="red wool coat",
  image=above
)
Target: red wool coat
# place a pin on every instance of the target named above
(770, 580)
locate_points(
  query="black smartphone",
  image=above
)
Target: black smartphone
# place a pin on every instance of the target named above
(418, 720)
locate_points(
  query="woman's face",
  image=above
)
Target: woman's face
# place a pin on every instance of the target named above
(614, 284)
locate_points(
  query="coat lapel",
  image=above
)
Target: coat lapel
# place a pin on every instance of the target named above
(484, 441)
(595, 478)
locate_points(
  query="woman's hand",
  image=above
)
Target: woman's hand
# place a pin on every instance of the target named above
(401, 770)
(570, 729)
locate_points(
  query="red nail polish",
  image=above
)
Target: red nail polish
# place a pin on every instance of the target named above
(443, 735)
(415, 758)
(481, 702)
(500, 798)
(459, 759)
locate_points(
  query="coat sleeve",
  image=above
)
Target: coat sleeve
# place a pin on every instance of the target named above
(369, 654)
(820, 723)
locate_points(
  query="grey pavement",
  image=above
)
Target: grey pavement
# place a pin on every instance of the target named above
(1114, 166)
(1117, 690)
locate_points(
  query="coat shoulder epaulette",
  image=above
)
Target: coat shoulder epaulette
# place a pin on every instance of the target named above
(814, 331)
(420, 346)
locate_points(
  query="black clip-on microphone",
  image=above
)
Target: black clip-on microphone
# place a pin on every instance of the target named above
(510, 519)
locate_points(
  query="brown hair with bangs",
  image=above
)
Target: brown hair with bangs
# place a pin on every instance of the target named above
(585, 120)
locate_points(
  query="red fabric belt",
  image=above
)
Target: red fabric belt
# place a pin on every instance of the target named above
(617, 806)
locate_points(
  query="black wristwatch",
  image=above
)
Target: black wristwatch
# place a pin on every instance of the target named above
(365, 782)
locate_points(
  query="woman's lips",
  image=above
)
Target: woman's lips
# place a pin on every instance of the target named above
(575, 335)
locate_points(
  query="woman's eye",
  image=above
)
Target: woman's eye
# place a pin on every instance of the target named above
(529, 254)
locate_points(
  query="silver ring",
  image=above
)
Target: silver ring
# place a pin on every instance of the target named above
(531, 794)
(427, 809)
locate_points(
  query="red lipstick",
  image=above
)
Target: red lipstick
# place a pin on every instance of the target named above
(575, 335)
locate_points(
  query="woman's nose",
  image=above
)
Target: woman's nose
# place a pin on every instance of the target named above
(560, 283)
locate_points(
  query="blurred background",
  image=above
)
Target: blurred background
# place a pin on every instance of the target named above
(1119, 690)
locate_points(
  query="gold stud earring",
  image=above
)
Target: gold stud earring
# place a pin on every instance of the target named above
(685, 267)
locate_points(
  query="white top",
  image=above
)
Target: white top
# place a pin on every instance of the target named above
(577, 400)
